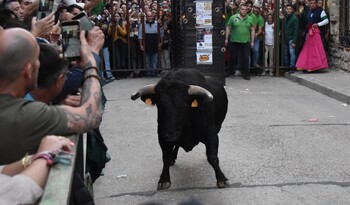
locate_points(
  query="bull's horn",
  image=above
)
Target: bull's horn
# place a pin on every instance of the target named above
(197, 90)
(147, 89)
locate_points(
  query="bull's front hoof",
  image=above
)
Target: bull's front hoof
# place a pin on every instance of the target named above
(222, 184)
(164, 185)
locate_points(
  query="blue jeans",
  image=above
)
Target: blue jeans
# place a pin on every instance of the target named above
(151, 64)
(107, 63)
(289, 54)
(256, 51)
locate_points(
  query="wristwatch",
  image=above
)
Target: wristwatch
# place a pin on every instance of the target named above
(26, 160)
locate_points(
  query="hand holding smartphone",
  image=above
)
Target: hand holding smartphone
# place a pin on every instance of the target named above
(71, 40)
(85, 22)
(46, 7)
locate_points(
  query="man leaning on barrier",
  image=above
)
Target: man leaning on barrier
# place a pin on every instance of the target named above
(24, 123)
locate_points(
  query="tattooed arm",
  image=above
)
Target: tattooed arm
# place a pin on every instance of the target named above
(89, 114)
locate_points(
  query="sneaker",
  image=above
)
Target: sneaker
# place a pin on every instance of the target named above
(164, 72)
(246, 77)
(263, 73)
(238, 73)
(108, 80)
(108, 157)
(256, 65)
(111, 78)
(228, 73)
(291, 70)
(271, 73)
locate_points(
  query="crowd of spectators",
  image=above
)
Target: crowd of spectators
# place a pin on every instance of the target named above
(121, 22)
(296, 18)
(133, 37)
(61, 98)
(128, 37)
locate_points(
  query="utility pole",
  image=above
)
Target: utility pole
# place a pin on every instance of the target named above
(277, 37)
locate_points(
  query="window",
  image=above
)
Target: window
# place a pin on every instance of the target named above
(344, 22)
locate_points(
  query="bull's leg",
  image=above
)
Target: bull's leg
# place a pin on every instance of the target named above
(164, 181)
(212, 155)
(174, 155)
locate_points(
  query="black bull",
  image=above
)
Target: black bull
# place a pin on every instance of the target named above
(191, 109)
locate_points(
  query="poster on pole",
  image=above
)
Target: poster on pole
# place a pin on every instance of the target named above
(204, 57)
(204, 38)
(204, 13)
(204, 32)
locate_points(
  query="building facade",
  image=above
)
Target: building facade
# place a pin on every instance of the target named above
(339, 42)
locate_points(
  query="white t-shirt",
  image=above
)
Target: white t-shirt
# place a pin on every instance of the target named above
(269, 34)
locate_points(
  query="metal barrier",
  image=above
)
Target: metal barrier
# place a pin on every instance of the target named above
(58, 186)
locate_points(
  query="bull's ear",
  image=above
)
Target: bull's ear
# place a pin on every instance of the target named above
(194, 103)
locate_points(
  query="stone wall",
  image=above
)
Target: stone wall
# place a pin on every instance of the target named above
(339, 56)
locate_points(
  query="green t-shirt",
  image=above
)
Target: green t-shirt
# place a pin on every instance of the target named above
(97, 9)
(24, 123)
(240, 28)
(254, 17)
(259, 23)
(228, 14)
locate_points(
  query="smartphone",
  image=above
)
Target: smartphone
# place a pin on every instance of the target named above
(71, 40)
(85, 23)
(46, 7)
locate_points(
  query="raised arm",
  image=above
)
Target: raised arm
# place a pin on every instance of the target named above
(89, 114)
(91, 4)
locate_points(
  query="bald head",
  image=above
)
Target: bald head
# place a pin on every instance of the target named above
(18, 47)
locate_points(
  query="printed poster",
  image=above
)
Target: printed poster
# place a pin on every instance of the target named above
(204, 13)
(204, 38)
(205, 58)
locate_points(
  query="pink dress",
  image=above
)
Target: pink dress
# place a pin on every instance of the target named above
(312, 57)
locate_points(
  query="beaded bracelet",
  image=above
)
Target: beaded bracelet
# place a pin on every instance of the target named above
(92, 76)
(48, 156)
(89, 68)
